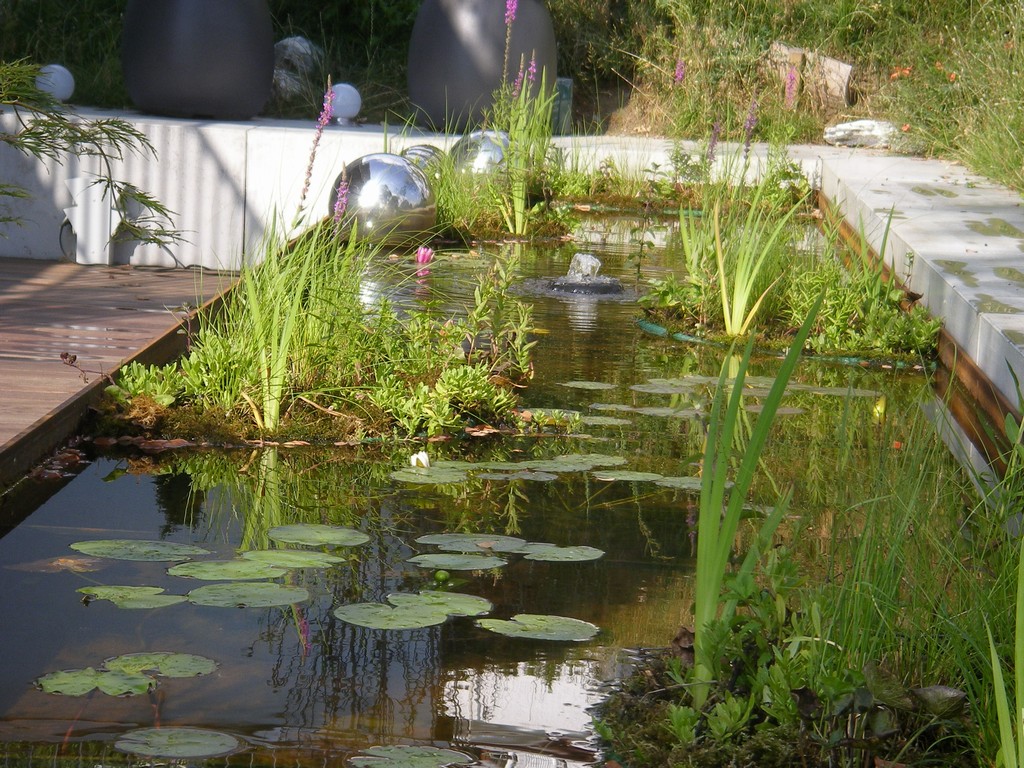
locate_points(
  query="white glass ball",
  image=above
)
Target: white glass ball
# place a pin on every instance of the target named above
(57, 81)
(347, 101)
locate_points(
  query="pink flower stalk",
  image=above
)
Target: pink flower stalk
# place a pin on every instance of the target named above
(424, 254)
(511, 6)
(680, 73)
(791, 88)
(517, 86)
(341, 203)
(325, 117)
(531, 71)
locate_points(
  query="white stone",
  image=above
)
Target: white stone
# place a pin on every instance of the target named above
(862, 133)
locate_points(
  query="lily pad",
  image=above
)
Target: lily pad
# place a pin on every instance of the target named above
(137, 549)
(292, 558)
(248, 594)
(605, 421)
(79, 682)
(163, 663)
(472, 542)
(381, 616)
(626, 476)
(452, 603)
(318, 535)
(673, 386)
(592, 385)
(456, 562)
(574, 462)
(557, 554)
(432, 475)
(681, 483)
(500, 466)
(179, 743)
(408, 756)
(525, 474)
(227, 570)
(132, 597)
(539, 627)
(611, 407)
(668, 412)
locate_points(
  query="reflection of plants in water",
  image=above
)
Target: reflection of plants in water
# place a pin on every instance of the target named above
(268, 488)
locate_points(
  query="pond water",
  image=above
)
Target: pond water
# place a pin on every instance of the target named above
(296, 684)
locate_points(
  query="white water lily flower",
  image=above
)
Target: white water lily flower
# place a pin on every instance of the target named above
(419, 459)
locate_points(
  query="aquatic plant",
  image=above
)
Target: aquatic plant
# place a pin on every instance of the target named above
(718, 521)
(273, 306)
(522, 110)
(1009, 699)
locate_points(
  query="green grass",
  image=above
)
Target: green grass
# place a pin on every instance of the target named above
(956, 88)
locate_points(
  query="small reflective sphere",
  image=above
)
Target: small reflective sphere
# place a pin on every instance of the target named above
(480, 151)
(389, 198)
(427, 158)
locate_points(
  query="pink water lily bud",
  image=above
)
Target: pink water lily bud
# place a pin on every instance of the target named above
(424, 254)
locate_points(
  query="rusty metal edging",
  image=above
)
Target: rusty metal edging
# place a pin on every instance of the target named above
(978, 407)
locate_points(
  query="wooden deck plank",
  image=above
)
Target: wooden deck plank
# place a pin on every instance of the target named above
(104, 315)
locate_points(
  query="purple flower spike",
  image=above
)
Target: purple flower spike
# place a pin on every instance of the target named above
(517, 86)
(680, 74)
(342, 202)
(511, 6)
(791, 83)
(327, 111)
(531, 72)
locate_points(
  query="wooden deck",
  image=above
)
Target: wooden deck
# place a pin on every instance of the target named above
(106, 316)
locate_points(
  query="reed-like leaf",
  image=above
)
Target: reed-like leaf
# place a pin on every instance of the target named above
(717, 522)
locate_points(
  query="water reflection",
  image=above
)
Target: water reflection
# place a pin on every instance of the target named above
(297, 682)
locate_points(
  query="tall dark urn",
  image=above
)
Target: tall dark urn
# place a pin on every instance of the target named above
(198, 58)
(457, 54)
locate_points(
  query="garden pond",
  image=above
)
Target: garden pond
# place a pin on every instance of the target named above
(300, 681)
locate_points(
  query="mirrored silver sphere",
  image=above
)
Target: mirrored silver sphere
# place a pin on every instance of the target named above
(480, 151)
(427, 158)
(389, 198)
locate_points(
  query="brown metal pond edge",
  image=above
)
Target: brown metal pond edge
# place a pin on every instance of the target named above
(54, 429)
(976, 405)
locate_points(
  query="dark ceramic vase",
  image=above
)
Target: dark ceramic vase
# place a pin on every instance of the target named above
(198, 58)
(457, 54)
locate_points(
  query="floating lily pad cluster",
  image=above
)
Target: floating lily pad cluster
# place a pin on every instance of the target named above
(413, 611)
(467, 552)
(244, 577)
(695, 388)
(178, 743)
(444, 472)
(408, 756)
(128, 675)
(473, 551)
(429, 608)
